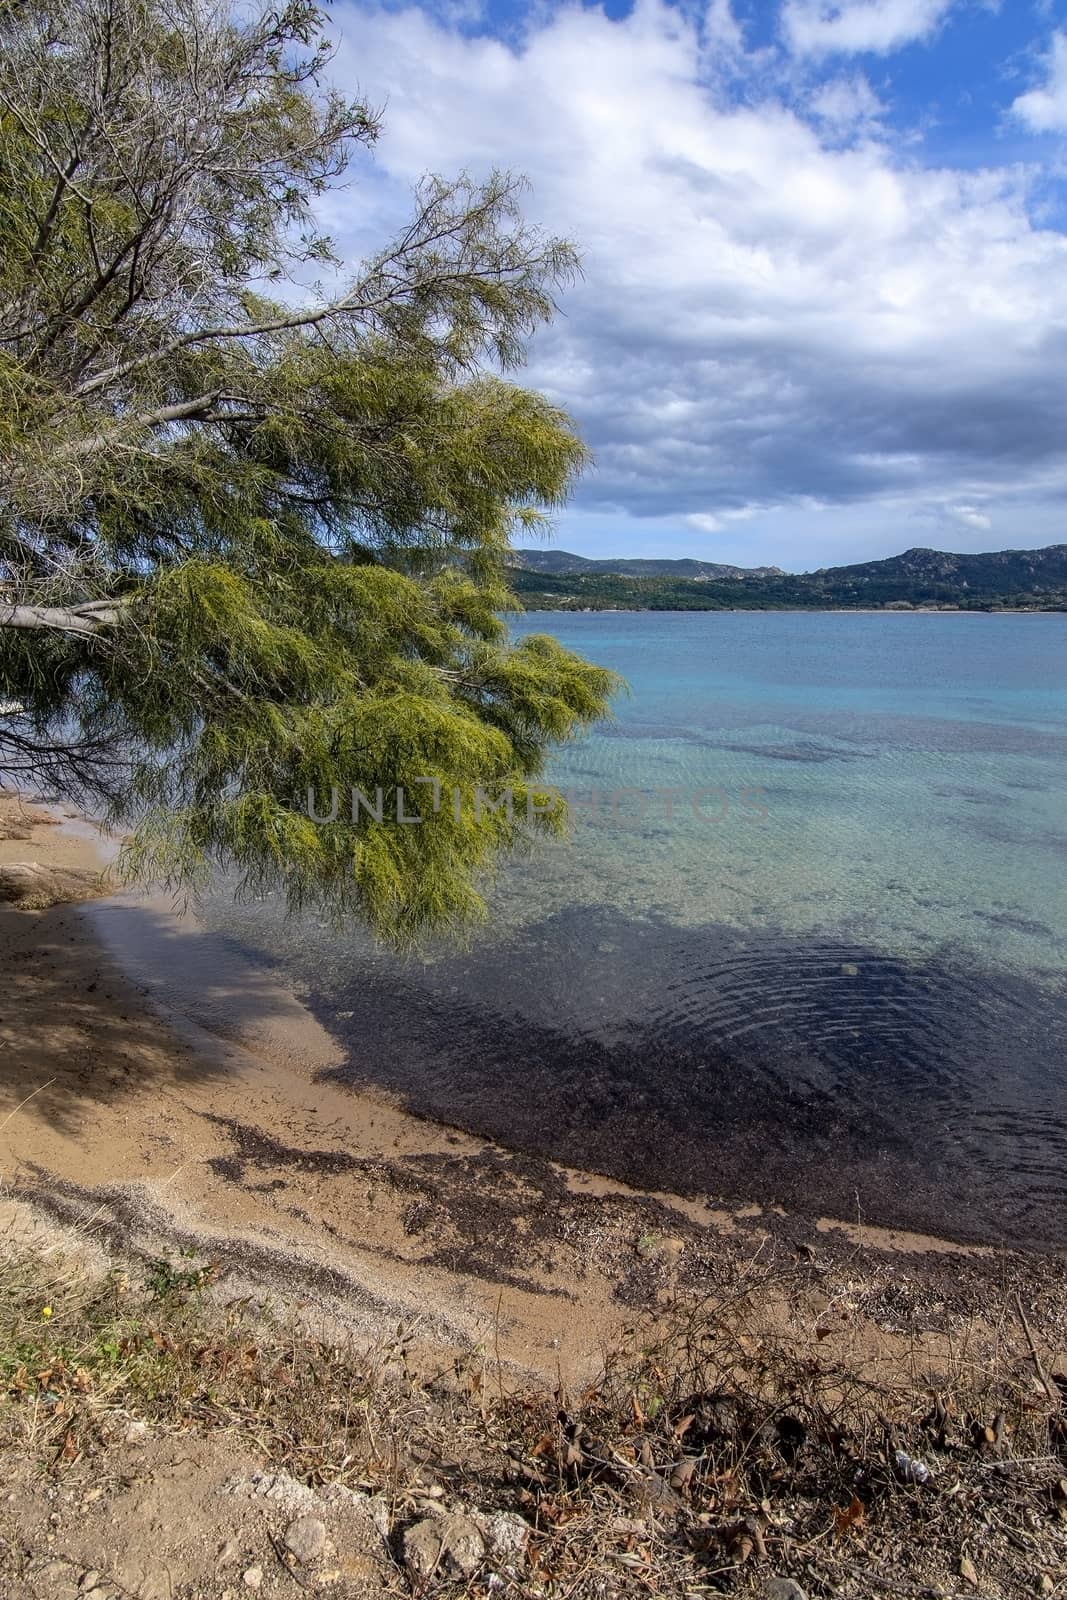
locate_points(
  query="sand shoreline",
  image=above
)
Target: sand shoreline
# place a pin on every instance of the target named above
(218, 1130)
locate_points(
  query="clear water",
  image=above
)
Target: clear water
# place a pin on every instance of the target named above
(819, 958)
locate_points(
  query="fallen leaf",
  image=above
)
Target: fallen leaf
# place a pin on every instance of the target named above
(848, 1517)
(968, 1571)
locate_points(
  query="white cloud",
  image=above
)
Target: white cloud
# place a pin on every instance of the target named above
(971, 517)
(767, 320)
(821, 27)
(1045, 109)
(846, 104)
(721, 27)
(704, 522)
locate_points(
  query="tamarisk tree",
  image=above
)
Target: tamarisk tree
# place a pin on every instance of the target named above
(253, 532)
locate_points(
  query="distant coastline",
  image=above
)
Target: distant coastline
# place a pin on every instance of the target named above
(814, 611)
(1013, 581)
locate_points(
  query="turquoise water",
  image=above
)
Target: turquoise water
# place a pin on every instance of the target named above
(894, 778)
(805, 943)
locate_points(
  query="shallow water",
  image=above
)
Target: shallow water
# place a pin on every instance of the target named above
(818, 957)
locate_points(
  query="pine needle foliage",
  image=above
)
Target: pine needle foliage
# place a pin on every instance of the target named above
(252, 531)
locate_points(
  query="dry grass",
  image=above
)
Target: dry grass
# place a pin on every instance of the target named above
(711, 1454)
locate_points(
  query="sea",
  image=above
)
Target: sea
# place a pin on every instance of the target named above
(804, 945)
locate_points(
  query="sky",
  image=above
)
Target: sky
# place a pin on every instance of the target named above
(823, 316)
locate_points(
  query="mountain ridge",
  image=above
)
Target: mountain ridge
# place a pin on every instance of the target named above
(565, 563)
(919, 576)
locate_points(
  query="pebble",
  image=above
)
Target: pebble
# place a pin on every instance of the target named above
(253, 1577)
(89, 1580)
(306, 1539)
(910, 1469)
(783, 1589)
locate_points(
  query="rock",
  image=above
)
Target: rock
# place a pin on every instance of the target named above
(54, 1572)
(136, 1433)
(380, 1515)
(305, 1538)
(279, 1488)
(253, 1577)
(96, 1594)
(450, 1547)
(909, 1469)
(506, 1535)
(155, 1583)
(783, 1589)
(89, 1580)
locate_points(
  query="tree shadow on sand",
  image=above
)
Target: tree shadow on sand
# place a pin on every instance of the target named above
(99, 1001)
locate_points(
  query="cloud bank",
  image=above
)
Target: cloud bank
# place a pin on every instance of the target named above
(792, 335)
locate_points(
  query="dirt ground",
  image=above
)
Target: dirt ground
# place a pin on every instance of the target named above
(167, 1516)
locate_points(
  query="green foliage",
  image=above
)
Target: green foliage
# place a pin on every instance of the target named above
(250, 553)
(166, 1281)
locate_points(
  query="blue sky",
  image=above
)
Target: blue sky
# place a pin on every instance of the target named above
(824, 310)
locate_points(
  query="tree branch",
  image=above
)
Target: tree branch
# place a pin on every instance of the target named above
(84, 621)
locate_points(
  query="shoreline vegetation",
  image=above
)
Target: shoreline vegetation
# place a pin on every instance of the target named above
(229, 1287)
(918, 580)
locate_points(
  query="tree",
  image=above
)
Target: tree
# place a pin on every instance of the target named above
(253, 532)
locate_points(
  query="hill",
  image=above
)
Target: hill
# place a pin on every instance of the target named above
(995, 580)
(564, 563)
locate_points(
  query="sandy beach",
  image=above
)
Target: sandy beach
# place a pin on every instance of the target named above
(216, 1129)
